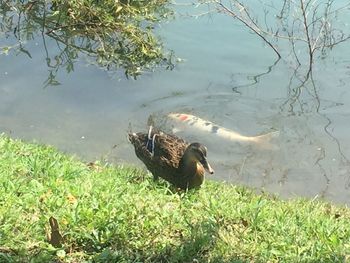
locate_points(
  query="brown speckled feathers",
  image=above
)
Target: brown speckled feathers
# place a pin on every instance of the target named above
(171, 158)
(168, 151)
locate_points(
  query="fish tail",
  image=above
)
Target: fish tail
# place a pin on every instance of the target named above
(265, 140)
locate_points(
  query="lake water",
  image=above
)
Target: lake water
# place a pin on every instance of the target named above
(227, 76)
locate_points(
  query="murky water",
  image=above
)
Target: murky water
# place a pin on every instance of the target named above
(228, 77)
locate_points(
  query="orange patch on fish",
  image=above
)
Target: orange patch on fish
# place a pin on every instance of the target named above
(183, 117)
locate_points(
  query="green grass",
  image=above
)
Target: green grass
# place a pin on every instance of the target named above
(118, 214)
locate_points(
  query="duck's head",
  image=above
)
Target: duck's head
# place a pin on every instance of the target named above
(198, 153)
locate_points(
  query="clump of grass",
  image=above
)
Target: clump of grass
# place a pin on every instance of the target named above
(118, 214)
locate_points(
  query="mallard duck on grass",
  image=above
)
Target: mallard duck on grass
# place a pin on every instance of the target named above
(171, 158)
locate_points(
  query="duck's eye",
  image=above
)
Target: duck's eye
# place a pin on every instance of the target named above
(201, 158)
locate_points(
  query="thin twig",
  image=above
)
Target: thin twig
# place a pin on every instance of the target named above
(255, 30)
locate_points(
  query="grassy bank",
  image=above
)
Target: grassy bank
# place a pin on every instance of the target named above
(118, 214)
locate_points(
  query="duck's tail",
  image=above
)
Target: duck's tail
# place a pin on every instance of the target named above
(139, 140)
(131, 137)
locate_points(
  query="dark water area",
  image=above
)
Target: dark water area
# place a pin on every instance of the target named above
(227, 76)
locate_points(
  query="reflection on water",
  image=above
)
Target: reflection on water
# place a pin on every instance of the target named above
(232, 81)
(110, 33)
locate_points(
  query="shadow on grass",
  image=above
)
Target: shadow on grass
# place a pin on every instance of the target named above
(201, 244)
(197, 247)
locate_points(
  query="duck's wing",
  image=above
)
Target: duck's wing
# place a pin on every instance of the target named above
(167, 152)
(169, 148)
(164, 162)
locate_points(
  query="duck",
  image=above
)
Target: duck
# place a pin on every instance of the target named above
(172, 158)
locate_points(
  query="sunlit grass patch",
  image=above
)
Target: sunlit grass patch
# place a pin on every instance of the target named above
(118, 214)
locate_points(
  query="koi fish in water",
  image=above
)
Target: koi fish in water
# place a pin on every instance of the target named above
(207, 126)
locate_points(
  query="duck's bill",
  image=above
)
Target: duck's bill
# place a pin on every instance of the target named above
(207, 167)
